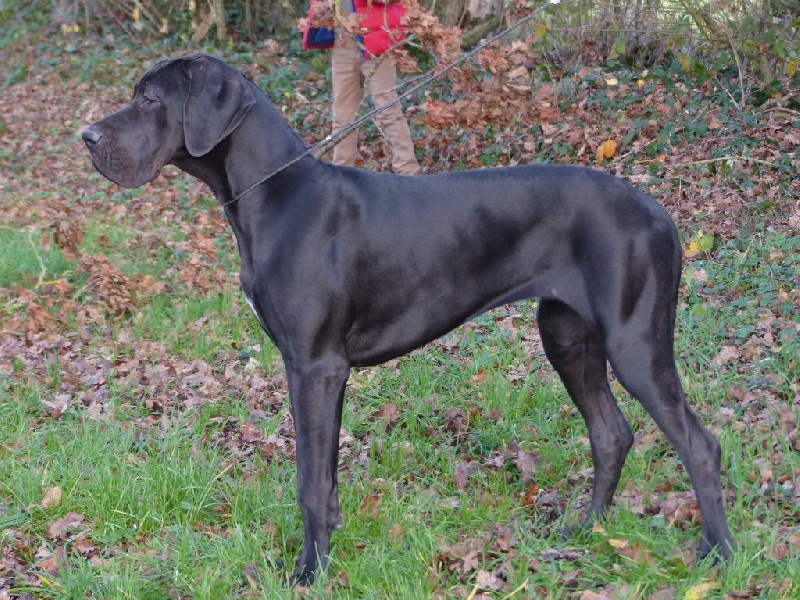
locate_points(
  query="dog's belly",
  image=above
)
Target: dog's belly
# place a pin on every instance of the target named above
(398, 329)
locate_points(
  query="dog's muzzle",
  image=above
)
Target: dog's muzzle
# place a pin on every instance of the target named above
(91, 137)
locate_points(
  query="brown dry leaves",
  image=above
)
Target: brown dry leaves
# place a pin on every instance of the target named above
(526, 463)
(107, 284)
(68, 235)
(425, 30)
(65, 535)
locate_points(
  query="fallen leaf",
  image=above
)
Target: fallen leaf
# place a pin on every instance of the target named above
(528, 465)
(727, 354)
(590, 595)
(370, 506)
(67, 235)
(606, 150)
(469, 561)
(529, 497)
(51, 498)
(701, 590)
(107, 283)
(69, 522)
(388, 413)
(488, 581)
(49, 565)
(250, 433)
(396, 533)
(460, 475)
(84, 547)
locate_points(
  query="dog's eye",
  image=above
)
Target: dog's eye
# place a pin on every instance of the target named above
(148, 100)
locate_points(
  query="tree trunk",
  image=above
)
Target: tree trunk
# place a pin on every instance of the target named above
(248, 20)
(453, 12)
(219, 19)
(766, 68)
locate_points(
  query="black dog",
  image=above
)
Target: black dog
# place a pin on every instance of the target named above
(345, 268)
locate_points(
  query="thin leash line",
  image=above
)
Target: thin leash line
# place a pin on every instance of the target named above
(336, 136)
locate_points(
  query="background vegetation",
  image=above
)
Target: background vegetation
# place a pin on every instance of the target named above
(754, 34)
(146, 450)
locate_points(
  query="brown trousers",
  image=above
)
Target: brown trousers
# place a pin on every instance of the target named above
(350, 73)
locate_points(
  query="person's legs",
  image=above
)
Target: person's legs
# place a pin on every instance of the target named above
(381, 78)
(347, 83)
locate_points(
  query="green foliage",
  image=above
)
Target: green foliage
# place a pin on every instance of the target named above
(151, 19)
(755, 35)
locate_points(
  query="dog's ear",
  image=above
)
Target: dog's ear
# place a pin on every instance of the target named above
(218, 100)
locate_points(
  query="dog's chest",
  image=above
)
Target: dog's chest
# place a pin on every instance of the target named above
(252, 306)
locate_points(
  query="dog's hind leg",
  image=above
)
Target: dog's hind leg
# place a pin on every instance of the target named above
(643, 360)
(577, 357)
(317, 395)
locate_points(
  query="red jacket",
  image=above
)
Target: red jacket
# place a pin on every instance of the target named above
(381, 26)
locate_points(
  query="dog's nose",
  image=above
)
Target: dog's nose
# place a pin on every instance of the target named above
(91, 136)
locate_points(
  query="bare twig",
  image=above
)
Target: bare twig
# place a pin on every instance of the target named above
(519, 589)
(705, 161)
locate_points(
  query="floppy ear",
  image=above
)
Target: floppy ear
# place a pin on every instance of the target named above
(218, 100)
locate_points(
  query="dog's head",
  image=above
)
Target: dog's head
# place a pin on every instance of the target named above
(184, 105)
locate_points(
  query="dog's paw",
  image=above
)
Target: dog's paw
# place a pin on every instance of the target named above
(716, 555)
(300, 578)
(580, 530)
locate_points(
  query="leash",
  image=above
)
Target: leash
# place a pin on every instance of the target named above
(330, 139)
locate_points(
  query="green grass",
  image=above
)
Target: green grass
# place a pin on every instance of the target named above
(176, 512)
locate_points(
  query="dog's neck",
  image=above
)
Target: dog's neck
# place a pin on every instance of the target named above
(266, 150)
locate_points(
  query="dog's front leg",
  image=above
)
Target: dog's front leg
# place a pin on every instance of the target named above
(316, 392)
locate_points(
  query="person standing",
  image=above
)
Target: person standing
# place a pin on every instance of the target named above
(362, 61)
